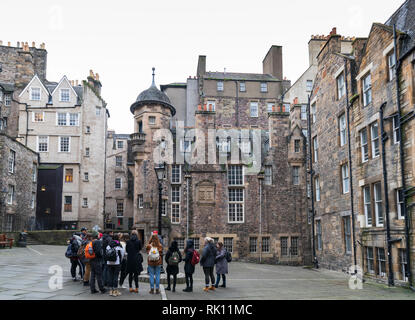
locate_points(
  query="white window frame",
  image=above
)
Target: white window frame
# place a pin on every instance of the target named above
(345, 178)
(60, 144)
(164, 208)
(264, 87)
(31, 93)
(367, 89)
(399, 204)
(315, 149)
(341, 86)
(242, 86)
(367, 204)
(98, 111)
(391, 65)
(33, 201)
(364, 145)
(118, 144)
(378, 204)
(317, 188)
(347, 234)
(12, 161)
(270, 105)
(268, 175)
(76, 120)
(303, 112)
(228, 244)
(309, 85)
(319, 232)
(115, 185)
(253, 105)
(296, 175)
(118, 161)
(342, 128)
(10, 194)
(61, 95)
(175, 205)
(58, 114)
(34, 116)
(231, 174)
(140, 201)
(236, 204)
(375, 140)
(396, 130)
(220, 86)
(7, 99)
(37, 144)
(174, 172)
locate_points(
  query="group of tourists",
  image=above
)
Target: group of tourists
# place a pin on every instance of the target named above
(108, 259)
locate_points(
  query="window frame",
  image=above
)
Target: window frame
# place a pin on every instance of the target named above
(11, 191)
(296, 175)
(399, 204)
(347, 232)
(38, 144)
(31, 93)
(317, 189)
(61, 95)
(364, 146)
(375, 141)
(343, 130)
(60, 145)
(11, 162)
(264, 87)
(378, 202)
(255, 105)
(120, 184)
(67, 206)
(253, 245)
(35, 119)
(391, 65)
(220, 86)
(367, 90)
(175, 192)
(341, 86)
(367, 205)
(69, 177)
(345, 177)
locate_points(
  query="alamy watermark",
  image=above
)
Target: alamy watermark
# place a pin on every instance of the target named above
(356, 278)
(56, 280)
(211, 146)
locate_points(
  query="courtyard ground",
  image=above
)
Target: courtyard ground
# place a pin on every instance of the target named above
(24, 275)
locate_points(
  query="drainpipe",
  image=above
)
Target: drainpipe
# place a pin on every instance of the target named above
(187, 208)
(260, 219)
(385, 185)
(311, 172)
(398, 64)
(350, 166)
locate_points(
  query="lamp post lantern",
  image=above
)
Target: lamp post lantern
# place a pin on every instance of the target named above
(160, 170)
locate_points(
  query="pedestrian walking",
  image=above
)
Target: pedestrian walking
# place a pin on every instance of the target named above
(207, 261)
(85, 261)
(123, 273)
(114, 253)
(72, 254)
(134, 260)
(173, 258)
(221, 265)
(189, 267)
(94, 253)
(106, 240)
(155, 251)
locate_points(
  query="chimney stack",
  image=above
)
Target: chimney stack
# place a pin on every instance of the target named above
(272, 63)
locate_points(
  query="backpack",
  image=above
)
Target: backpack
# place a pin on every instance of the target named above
(89, 251)
(154, 254)
(174, 259)
(74, 248)
(195, 258)
(228, 256)
(81, 252)
(68, 252)
(111, 254)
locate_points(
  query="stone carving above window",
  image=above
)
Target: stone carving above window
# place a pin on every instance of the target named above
(205, 193)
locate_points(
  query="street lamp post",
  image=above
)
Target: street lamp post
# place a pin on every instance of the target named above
(160, 171)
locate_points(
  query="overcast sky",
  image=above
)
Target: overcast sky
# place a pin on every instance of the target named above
(122, 40)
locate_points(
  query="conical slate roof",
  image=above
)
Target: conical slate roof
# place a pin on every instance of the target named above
(153, 96)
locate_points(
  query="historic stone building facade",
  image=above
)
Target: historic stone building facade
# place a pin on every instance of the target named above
(259, 215)
(118, 183)
(359, 203)
(18, 185)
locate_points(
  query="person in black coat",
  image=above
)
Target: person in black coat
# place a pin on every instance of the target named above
(189, 268)
(172, 269)
(134, 260)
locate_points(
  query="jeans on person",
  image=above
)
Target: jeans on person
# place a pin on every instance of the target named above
(189, 280)
(74, 264)
(209, 274)
(130, 279)
(96, 271)
(114, 271)
(154, 272)
(105, 275)
(218, 279)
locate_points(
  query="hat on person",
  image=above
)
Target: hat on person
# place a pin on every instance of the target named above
(84, 229)
(94, 234)
(155, 233)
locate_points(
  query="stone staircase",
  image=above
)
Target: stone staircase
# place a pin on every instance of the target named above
(32, 241)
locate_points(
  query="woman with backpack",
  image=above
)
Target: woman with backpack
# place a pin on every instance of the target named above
(189, 267)
(72, 253)
(173, 258)
(123, 273)
(114, 253)
(221, 265)
(134, 260)
(208, 262)
(155, 251)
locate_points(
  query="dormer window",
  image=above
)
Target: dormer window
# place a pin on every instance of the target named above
(35, 94)
(64, 95)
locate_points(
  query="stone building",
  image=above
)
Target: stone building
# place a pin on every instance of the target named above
(118, 189)
(256, 208)
(66, 123)
(18, 184)
(353, 85)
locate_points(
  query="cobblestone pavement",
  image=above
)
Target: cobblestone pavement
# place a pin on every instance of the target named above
(24, 275)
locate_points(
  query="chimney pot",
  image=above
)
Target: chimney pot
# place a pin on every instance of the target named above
(18, 44)
(1, 42)
(33, 44)
(8, 44)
